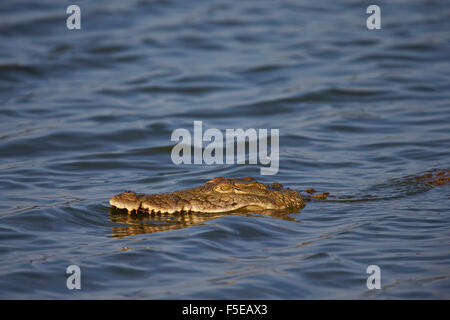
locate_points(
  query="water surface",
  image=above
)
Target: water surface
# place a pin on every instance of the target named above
(87, 114)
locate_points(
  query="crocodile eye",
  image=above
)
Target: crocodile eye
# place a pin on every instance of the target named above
(255, 185)
(261, 186)
(223, 188)
(215, 180)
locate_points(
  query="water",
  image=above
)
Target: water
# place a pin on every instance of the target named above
(88, 114)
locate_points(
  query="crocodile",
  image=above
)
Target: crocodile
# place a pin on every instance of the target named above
(221, 195)
(215, 196)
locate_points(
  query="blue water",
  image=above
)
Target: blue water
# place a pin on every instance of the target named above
(86, 114)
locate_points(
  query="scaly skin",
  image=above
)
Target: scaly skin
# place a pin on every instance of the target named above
(435, 178)
(216, 195)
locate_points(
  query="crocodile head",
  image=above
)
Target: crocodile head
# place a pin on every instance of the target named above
(216, 195)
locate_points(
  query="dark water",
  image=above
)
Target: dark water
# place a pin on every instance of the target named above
(89, 113)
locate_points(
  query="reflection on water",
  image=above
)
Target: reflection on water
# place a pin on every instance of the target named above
(145, 223)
